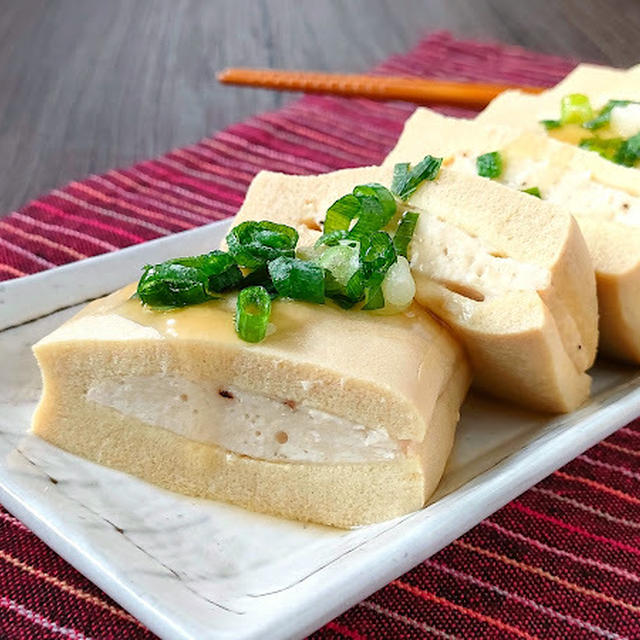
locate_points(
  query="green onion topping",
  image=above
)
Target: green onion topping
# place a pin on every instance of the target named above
(624, 152)
(489, 165)
(406, 180)
(575, 108)
(253, 244)
(341, 261)
(172, 284)
(184, 281)
(253, 310)
(221, 268)
(377, 207)
(404, 232)
(341, 213)
(375, 297)
(348, 264)
(332, 238)
(607, 147)
(604, 115)
(371, 205)
(297, 279)
(628, 153)
(532, 191)
(551, 124)
(377, 254)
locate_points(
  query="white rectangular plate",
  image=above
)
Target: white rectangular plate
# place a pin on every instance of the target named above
(196, 569)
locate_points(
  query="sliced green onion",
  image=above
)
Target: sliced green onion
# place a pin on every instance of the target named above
(297, 279)
(551, 124)
(253, 310)
(575, 108)
(377, 207)
(340, 213)
(222, 270)
(406, 180)
(375, 298)
(607, 147)
(342, 261)
(253, 244)
(400, 177)
(404, 232)
(628, 153)
(259, 278)
(372, 204)
(355, 286)
(604, 115)
(624, 152)
(345, 296)
(380, 194)
(332, 238)
(343, 280)
(171, 284)
(489, 165)
(532, 191)
(377, 253)
(190, 280)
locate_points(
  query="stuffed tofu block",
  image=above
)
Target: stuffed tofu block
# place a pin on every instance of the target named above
(508, 273)
(248, 386)
(596, 108)
(603, 196)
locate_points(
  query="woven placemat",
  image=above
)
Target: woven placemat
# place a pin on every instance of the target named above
(561, 561)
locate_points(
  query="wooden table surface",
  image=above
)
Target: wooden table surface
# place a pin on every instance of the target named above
(87, 85)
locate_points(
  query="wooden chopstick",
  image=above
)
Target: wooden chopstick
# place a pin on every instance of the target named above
(421, 91)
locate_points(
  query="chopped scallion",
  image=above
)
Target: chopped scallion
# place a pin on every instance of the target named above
(628, 154)
(407, 179)
(342, 261)
(375, 298)
(404, 232)
(332, 238)
(253, 244)
(172, 284)
(575, 108)
(377, 207)
(355, 286)
(532, 191)
(348, 264)
(297, 279)
(607, 147)
(551, 124)
(489, 165)
(371, 204)
(259, 277)
(377, 254)
(222, 270)
(253, 310)
(604, 115)
(341, 213)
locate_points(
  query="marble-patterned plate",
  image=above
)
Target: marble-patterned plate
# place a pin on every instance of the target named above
(197, 569)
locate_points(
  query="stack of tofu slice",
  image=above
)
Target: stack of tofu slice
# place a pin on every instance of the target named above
(602, 196)
(348, 417)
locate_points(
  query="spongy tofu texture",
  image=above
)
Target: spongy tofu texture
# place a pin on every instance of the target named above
(614, 246)
(405, 373)
(515, 225)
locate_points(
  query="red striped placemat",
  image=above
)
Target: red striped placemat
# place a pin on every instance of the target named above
(561, 561)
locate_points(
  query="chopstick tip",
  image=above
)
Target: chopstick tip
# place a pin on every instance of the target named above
(223, 75)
